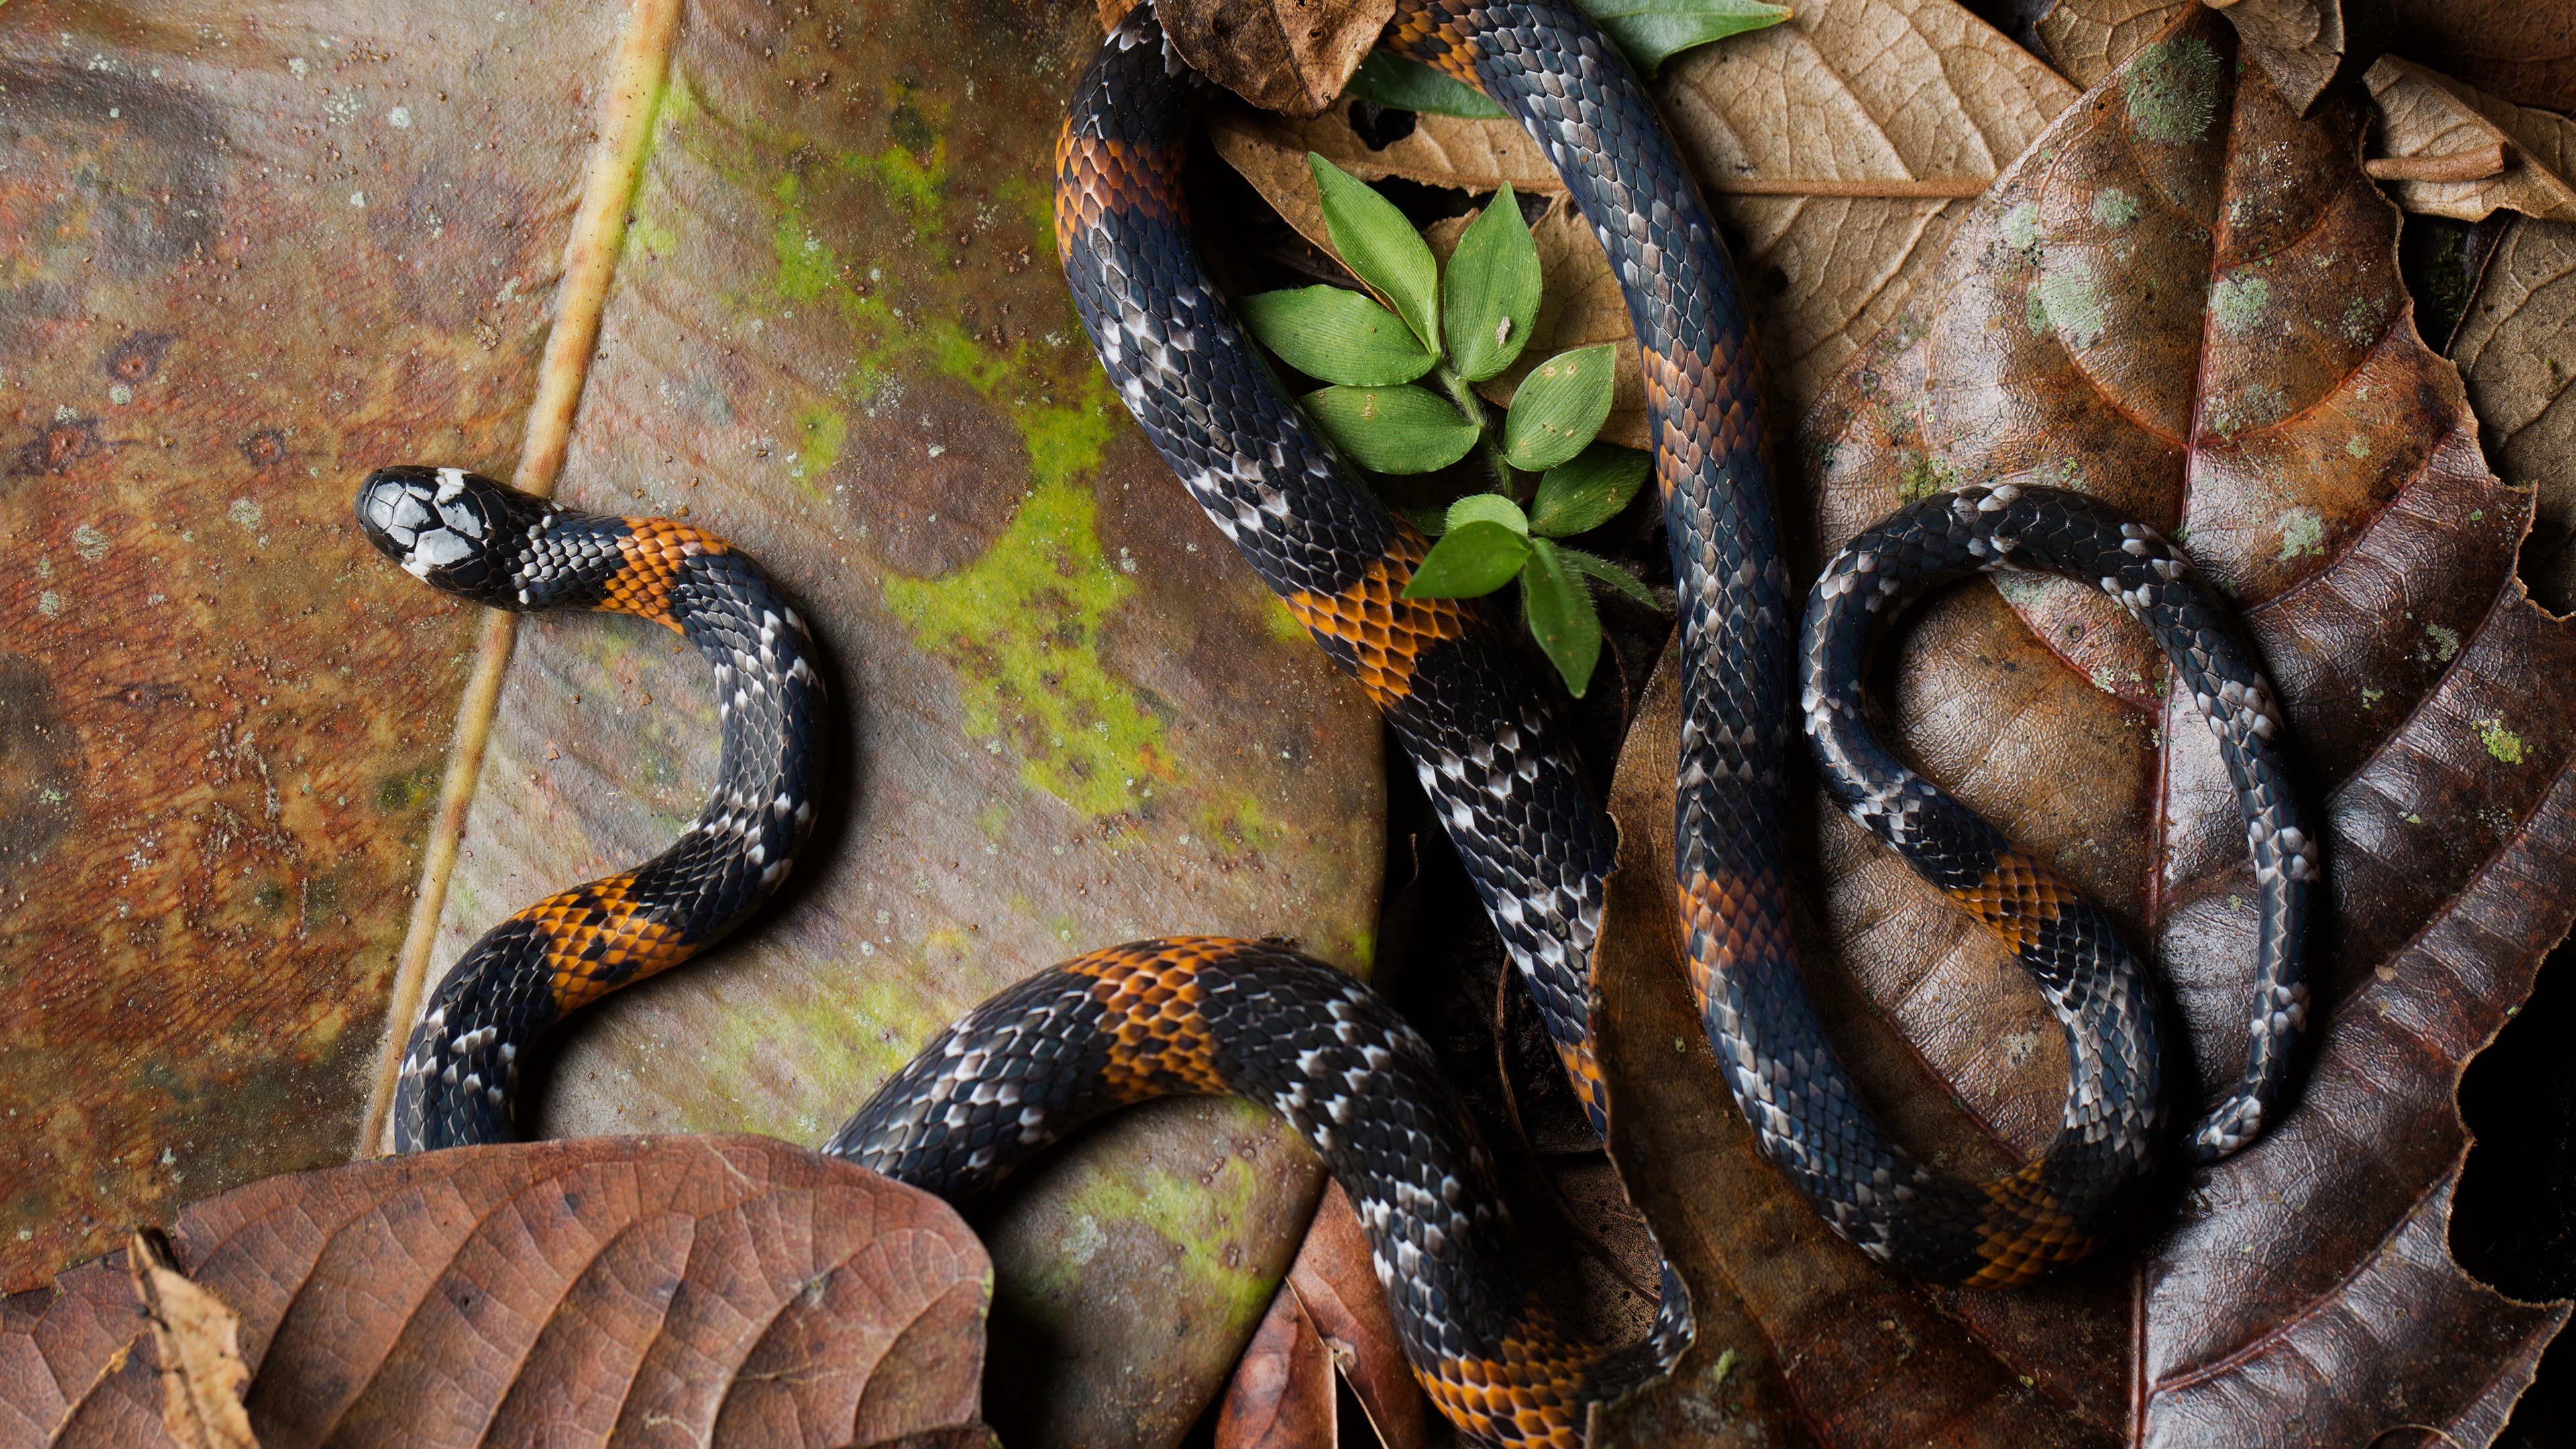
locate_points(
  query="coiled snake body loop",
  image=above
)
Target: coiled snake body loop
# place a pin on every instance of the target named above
(1211, 1015)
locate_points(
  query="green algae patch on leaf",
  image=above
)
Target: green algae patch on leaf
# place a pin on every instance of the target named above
(1021, 626)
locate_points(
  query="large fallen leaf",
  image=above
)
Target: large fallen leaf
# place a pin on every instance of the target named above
(728, 1290)
(1839, 147)
(242, 263)
(250, 260)
(1071, 716)
(2184, 300)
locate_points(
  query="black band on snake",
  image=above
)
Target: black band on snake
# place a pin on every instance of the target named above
(1219, 1016)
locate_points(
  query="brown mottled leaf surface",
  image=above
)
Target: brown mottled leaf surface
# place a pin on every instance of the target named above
(1839, 149)
(222, 719)
(1281, 1396)
(2223, 348)
(712, 1290)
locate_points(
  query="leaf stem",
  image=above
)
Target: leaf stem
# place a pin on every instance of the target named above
(1473, 407)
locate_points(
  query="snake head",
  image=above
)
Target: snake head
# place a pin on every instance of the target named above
(456, 531)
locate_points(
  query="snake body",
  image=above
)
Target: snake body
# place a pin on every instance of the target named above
(484, 541)
(1222, 1016)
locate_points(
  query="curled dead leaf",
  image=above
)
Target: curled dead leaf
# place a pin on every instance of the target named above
(197, 1337)
(2308, 45)
(2450, 149)
(2516, 350)
(2512, 49)
(2428, 117)
(736, 1289)
(1291, 56)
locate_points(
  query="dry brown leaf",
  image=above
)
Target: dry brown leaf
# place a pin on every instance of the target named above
(728, 1290)
(1840, 147)
(1291, 56)
(198, 1338)
(1281, 1396)
(1337, 1286)
(2308, 45)
(2426, 114)
(2185, 300)
(2516, 349)
(1440, 151)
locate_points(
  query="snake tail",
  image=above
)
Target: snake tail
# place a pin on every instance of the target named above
(1216, 1016)
(489, 543)
(2088, 977)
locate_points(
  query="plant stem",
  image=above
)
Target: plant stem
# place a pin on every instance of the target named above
(1474, 409)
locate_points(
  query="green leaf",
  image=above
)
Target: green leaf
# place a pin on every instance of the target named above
(1560, 406)
(1490, 296)
(1587, 491)
(1609, 573)
(1380, 247)
(1393, 429)
(1472, 559)
(1654, 31)
(1560, 615)
(1488, 508)
(1406, 84)
(1336, 335)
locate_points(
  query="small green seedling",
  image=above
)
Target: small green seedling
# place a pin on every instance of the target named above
(1456, 328)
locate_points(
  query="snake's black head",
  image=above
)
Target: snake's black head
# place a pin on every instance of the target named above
(457, 531)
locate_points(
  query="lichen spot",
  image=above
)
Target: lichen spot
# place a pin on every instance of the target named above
(2237, 303)
(2021, 227)
(2114, 208)
(2172, 89)
(2302, 532)
(2070, 300)
(2502, 743)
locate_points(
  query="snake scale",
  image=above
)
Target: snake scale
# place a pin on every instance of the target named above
(1209, 1015)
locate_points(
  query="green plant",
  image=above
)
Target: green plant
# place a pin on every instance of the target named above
(1459, 327)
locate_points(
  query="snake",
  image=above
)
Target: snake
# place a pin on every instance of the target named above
(1491, 750)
